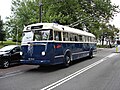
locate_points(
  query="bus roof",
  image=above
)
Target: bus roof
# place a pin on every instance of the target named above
(57, 27)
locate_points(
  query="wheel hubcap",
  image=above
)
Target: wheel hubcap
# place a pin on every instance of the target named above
(68, 60)
(6, 64)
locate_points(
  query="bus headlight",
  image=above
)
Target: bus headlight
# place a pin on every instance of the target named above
(21, 53)
(43, 53)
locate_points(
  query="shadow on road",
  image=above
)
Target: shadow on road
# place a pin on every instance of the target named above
(11, 66)
(48, 69)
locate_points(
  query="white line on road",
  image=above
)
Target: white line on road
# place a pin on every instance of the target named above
(69, 77)
(14, 73)
(10, 75)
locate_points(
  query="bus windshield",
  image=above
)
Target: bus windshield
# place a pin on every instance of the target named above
(37, 35)
(27, 36)
(40, 35)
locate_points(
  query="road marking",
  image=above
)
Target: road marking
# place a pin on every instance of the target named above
(10, 75)
(14, 73)
(69, 77)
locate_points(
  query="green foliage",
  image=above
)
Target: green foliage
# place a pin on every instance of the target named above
(89, 14)
(2, 33)
(9, 42)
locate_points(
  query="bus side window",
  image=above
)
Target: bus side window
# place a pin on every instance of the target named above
(76, 38)
(65, 36)
(51, 35)
(92, 39)
(84, 39)
(57, 36)
(71, 37)
(80, 38)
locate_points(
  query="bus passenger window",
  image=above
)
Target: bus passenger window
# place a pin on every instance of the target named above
(76, 38)
(92, 39)
(71, 37)
(84, 38)
(51, 35)
(65, 36)
(80, 38)
(57, 36)
(87, 38)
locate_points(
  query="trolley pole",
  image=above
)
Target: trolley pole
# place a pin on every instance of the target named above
(40, 11)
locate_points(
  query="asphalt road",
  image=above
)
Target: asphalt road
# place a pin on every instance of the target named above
(100, 73)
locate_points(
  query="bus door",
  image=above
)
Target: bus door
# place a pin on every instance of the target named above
(58, 47)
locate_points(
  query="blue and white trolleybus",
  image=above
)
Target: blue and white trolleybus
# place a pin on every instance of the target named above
(51, 44)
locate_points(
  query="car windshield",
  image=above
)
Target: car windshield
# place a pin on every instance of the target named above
(6, 48)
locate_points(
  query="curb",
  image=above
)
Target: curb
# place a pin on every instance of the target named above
(99, 49)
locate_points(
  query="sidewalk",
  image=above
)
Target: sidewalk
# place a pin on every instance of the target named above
(99, 49)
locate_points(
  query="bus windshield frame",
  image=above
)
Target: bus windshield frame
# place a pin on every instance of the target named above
(38, 35)
(43, 35)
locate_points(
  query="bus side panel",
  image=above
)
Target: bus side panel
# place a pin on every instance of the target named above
(94, 47)
(77, 51)
(50, 52)
(80, 50)
(58, 53)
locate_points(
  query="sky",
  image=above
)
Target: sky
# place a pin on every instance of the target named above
(5, 10)
(116, 20)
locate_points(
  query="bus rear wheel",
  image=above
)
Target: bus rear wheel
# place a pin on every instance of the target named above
(91, 54)
(67, 61)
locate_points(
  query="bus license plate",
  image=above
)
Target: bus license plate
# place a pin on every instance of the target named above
(31, 59)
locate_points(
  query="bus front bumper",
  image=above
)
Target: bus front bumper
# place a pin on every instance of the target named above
(36, 62)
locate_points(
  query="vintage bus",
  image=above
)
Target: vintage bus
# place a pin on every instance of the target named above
(51, 44)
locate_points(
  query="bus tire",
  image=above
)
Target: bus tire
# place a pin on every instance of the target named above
(67, 61)
(91, 54)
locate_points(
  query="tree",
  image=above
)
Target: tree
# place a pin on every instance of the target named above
(89, 14)
(2, 33)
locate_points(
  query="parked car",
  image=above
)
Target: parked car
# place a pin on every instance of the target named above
(9, 54)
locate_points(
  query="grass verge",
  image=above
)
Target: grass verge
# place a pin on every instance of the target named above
(9, 42)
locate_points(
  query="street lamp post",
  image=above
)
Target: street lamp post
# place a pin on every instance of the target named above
(40, 11)
(16, 35)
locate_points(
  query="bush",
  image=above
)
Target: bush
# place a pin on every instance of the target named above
(105, 46)
(9, 42)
